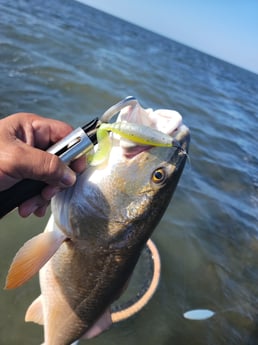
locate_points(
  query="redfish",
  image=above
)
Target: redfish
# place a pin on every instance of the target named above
(98, 229)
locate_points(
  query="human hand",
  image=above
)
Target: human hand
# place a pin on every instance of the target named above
(23, 139)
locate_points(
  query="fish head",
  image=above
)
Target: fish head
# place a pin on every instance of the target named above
(120, 201)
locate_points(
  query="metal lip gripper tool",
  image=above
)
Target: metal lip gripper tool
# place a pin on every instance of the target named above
(80, 141)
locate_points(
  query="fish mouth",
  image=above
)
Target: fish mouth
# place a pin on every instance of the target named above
(180, 140)
(166, 121)
(182, 137)
(132, 151)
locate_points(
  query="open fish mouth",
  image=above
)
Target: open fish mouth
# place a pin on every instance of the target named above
(137, 130)
(168, 122)
(131, 149)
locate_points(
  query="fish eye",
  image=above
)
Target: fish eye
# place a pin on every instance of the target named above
(158, 175)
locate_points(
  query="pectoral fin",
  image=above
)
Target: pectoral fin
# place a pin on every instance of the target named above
(101, 325)
(32, 256)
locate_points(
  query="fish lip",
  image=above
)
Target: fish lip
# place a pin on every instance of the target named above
(183, 137)
(180, 155)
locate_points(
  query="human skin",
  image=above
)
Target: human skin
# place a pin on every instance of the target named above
(23, 139)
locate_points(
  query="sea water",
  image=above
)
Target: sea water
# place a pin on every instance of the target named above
(68, 61)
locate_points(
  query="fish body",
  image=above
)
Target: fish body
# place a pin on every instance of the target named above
(97, 231)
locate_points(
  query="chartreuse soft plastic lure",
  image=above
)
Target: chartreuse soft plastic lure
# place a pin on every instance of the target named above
(139, 134)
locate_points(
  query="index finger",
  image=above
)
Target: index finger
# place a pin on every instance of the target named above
(49, 131)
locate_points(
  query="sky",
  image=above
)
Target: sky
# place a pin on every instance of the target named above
(227, 29)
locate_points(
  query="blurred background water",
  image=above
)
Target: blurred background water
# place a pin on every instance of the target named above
(65, 60)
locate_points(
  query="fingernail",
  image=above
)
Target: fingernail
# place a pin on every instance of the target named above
(68, 178)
